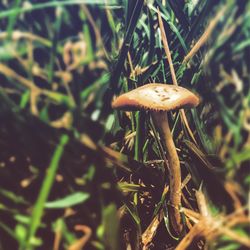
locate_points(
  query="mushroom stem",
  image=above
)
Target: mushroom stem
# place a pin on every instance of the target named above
(161, 121)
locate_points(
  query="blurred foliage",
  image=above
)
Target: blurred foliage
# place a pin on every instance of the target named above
(74, 174)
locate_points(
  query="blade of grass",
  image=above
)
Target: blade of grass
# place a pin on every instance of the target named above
(68, 201)
(12, 196)
(17, 35)
(12, 20)
(93, 87)
(172, 26)
(37, 212)
(52, 4)
(202, 40)
(204, 138)
(201, 156)
(125, 46)
(141, 134)
(87, 36)
(8, 230)
(168, 53)
(111, 226)
(151, 51)
(24, 99)
(55, 31)
(55, 96)
(179, 14)
(98, 36)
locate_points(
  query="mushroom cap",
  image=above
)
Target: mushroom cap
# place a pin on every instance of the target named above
(156, 97)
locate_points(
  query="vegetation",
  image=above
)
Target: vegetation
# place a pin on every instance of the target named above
(74, 173)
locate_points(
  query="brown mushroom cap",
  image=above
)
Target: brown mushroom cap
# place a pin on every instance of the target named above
(156, 97)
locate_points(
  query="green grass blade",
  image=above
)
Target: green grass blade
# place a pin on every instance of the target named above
(37, 212)
(53, 4)
(68, 201)
(12, 19)
(126, 44)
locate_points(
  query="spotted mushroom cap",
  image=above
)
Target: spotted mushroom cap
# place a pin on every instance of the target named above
(156, 97)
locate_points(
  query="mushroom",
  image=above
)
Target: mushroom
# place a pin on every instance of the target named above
(159, 99)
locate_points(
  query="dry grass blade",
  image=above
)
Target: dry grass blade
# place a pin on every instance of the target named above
(185, 122)
(150, 232)
(17, 35)
(79, 244)
(234, 190)
(212, 228)
(198, 230)
(234, 236)
(12, 74)
(35, 91)
(168, 53)
(205, 36)
(166, 48)
(202, 203)
(99, 41)
(191, 214)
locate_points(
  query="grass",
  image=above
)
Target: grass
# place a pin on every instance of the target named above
(75, 174)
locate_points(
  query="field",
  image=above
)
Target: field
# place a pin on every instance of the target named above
(77, 173)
